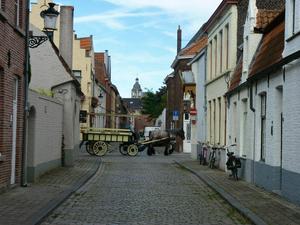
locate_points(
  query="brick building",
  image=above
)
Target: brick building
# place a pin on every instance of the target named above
(12, 60)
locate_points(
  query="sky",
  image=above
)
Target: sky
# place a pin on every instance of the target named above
(140, 35)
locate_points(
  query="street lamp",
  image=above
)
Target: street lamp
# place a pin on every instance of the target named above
(50, 17)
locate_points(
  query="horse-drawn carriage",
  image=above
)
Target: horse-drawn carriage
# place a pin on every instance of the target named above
(97, 141)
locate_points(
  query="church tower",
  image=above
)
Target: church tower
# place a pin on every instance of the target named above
(136, 91)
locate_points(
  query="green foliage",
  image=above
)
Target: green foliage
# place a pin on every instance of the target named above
(44, 92)
(154, 102)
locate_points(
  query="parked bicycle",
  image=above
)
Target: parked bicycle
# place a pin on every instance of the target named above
(203, 155)
(233, 163)
(212, 158)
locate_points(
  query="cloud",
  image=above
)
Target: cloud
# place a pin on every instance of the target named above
(191, 7)
(170, 34)
(112, 18)
(192, 13)
(170, 49)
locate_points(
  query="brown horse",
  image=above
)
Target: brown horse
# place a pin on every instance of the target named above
(168, 140)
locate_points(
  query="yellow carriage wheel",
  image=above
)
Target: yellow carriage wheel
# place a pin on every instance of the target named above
(100, 148)
(132, 150)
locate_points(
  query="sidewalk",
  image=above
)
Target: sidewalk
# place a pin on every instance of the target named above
(29, 205)
(260, 206)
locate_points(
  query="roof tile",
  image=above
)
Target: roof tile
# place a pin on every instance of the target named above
(264, 17)
(195, 47)
(270, 49)
(86, 43)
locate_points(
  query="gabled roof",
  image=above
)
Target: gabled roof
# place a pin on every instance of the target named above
(115, 89)
(217, 13)
(195, 47)
(190, 51)
(133, 103)
(271, 47)
(171, 75)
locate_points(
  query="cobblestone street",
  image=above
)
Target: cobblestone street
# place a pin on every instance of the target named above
(144, 190)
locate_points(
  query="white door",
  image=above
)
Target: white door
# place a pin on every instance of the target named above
(14, 131)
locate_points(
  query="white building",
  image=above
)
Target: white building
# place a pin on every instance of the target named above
(263, 102)
(198, 65)
(50, 74)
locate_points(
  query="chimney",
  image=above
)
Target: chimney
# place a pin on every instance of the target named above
(66, 33)
(179, 39)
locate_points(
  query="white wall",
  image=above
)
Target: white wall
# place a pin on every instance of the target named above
(45, 130)
(198, 69)
(293, 41)
(291, 105)
(46, 68)
(70, 98)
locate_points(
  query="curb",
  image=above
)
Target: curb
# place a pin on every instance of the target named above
(226, 196)
(39, 216)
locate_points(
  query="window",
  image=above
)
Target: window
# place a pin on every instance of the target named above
(263, 126)
(210, 121)
(214, 120)
(244, 135)
(227, 45)
(246, 51)
(2, 5)
(220, 116)
(293, 16)
(210, 55)
(18, 13)
(77, 74)
(234, 119)
(221, 51)
(216, 55)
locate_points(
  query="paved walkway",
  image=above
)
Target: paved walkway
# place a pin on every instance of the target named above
(144, 190)
(27, 206)
(260, 206)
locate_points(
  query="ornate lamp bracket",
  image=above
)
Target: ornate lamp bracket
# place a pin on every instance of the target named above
(36, 41)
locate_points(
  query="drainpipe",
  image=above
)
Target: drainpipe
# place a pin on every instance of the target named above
(253, 110)
(26, 109)
(205, 97)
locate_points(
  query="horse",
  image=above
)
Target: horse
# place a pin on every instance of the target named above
(168, 140)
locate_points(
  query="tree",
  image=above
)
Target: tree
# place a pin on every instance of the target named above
(154, 102)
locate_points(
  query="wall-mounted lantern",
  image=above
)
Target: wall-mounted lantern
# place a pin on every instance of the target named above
(50, 17)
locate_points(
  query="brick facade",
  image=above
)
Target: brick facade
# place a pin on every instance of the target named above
(12, 60)
(175, 99)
